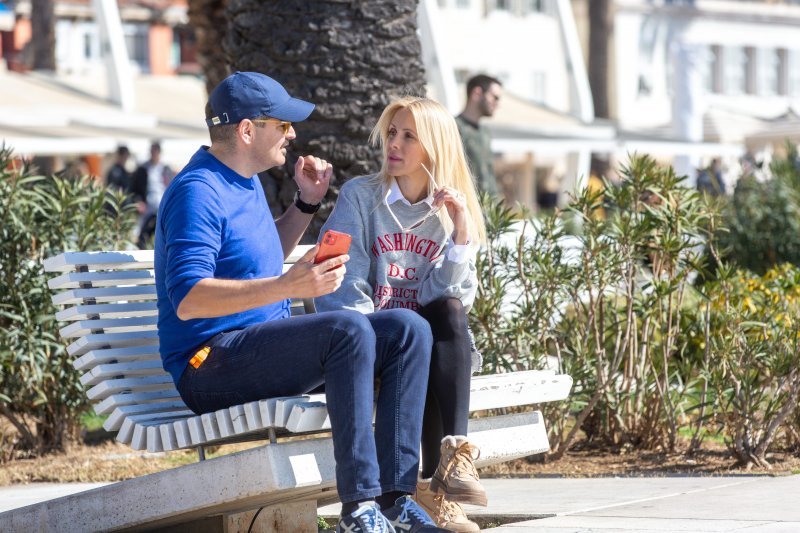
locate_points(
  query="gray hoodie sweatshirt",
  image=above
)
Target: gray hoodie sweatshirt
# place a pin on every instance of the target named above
(390, 268)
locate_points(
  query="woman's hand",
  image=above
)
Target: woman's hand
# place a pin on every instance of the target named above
(456, 204)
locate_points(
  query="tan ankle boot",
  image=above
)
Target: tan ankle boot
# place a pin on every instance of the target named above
(456, 475)
(447, 514)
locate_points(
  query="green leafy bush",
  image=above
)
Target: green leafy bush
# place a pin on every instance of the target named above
(606, 303)
(41, 216)
(754, 344)
(762, 219)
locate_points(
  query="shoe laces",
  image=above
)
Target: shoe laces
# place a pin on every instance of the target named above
(411, 512)
(372, 519)
(446, 510)
(465, 457)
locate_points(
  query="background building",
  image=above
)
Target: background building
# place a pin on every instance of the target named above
(687, 81)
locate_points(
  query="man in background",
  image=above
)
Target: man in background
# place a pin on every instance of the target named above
(483, 95)
(118, 177)
(147, 187)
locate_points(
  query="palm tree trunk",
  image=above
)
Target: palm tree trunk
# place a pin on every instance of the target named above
(349, 58)
(43, 35)
(601, 27)
(207, 17)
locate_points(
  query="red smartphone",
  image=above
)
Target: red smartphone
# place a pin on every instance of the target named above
(333, 244)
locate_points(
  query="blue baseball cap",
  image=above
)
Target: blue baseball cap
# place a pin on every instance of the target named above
(253, 95)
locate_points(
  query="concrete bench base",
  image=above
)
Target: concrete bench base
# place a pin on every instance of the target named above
(272, 475)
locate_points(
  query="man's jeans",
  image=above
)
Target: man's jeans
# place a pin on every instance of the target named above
(346, 351)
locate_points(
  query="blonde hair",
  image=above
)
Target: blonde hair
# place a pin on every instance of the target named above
(438, 134)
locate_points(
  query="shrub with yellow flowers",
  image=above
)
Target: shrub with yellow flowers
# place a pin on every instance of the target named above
(752, 362)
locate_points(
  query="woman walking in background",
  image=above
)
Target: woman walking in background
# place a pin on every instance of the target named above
(416, 226)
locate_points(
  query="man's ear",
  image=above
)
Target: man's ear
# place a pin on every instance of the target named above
(476, 94)
(245, 131)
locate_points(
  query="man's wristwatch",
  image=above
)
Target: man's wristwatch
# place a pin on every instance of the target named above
(308, 209)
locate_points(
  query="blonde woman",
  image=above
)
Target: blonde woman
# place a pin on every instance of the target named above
(415, 227)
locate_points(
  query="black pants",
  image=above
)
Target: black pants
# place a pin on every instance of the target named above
(447, 400)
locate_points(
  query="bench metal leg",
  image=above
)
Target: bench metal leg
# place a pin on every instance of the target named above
(201, 453)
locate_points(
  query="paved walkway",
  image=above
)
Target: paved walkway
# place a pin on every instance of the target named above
(607, 505)
(663, 504)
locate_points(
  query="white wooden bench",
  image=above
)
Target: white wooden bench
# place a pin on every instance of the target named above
(108, 300)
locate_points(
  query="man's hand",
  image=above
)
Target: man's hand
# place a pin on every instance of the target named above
(312, 175)
(307, 280)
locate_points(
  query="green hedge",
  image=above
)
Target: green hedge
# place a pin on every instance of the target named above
(41, 216)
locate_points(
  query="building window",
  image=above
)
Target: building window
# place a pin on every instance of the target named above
(768, 72)
(711, 69)
(532, 6)
(136, 41)
(502, 5)
(794, 72)
(87, 46)
(539, 87)
(734, 70)
(465, 4)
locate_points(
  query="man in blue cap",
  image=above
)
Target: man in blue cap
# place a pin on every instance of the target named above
(224, 324)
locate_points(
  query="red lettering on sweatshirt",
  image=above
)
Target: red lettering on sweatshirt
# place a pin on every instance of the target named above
(406, 242)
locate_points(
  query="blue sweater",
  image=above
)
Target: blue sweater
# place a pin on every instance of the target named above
(212, 223)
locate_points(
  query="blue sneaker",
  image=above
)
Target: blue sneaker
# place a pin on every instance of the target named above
(408, 517)
(366, 519)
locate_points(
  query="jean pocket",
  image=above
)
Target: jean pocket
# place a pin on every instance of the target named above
(206, 402)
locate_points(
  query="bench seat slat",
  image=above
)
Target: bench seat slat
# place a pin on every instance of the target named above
(210, 426)
(107, 278)
(107, 311)
(252, 413)
(169, 440)
(308, 416)
(115, 419)
(135, 427)
(239, 420)
(182, 437)
(196, 431)
(147, 436)
(517, 388)
(125, 433)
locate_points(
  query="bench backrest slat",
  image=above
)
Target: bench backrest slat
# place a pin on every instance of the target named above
(106, 295)
(97, 341)
(127, 260)
(113, 401)
(104, 311)
(110, 278)
(93, 358)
